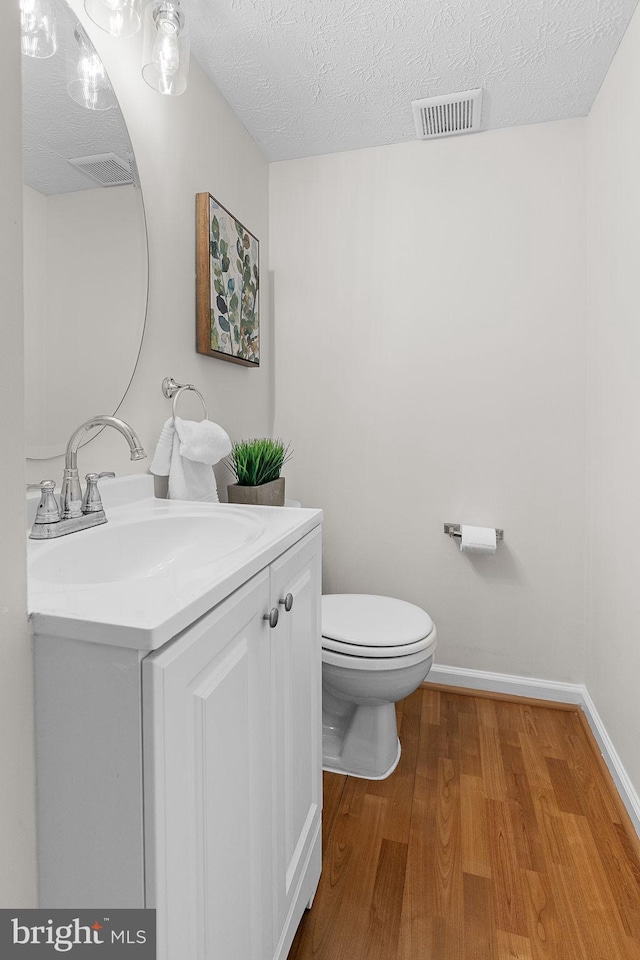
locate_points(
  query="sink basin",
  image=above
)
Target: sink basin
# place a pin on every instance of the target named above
(143, 548)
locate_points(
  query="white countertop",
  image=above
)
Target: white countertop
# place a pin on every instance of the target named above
(145, 612)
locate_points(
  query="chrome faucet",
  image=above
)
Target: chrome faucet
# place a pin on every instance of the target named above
(77, 512)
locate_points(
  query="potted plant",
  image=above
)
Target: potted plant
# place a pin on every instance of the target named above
(256, 465)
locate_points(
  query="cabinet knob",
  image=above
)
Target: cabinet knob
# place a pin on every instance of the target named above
(272, 617)
(287, 602)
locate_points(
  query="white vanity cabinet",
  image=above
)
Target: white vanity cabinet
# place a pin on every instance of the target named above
(188, 778)
(232, 773)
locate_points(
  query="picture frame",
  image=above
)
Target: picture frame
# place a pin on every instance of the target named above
(227, 285)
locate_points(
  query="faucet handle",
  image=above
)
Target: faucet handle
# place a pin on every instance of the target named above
(47, 511)
(91, 501)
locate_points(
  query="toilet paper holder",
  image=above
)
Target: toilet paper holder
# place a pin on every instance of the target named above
(454, 530)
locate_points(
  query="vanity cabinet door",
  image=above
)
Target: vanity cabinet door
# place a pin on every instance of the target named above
(296, 682)
(208, 731)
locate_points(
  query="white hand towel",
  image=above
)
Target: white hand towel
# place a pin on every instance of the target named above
(189, 478)
(161, 463)
(204, 442)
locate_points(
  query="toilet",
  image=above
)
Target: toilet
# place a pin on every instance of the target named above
(375, 651)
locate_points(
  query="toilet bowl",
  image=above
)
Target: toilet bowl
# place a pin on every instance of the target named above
(375, 651)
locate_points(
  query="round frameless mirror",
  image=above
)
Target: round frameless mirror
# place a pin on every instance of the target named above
(85, 241)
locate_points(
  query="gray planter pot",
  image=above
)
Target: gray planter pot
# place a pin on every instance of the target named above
(266, 495)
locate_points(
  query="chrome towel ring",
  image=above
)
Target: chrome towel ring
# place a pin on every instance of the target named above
(171, 389)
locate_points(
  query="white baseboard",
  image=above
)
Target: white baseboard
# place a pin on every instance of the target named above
(505, 683)
(627, 791)
(560, 693)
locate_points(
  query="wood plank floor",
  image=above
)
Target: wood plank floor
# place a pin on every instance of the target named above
(498, 837)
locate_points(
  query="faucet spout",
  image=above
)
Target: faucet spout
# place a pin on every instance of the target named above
(71, 492)
(71, 455)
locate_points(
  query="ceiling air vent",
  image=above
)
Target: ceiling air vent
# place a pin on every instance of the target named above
(107, 169)
(447, 116)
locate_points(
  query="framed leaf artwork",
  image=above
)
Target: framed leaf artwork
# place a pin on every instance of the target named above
(227, 285)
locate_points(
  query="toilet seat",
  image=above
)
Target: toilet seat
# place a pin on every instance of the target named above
(360, 650)
(370, 662)
(367, 626)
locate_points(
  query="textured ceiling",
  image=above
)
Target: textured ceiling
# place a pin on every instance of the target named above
(316, 76)
(55, 128)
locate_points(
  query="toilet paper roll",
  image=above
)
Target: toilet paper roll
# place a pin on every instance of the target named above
(477, 539)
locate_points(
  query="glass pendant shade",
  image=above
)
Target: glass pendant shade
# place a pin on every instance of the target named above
(87, 80)
(38, 28)
(166, 48)
(120, 18)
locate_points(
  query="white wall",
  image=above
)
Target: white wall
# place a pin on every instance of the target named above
(430, 367)
(183, 145)
(613, 650)
(17, 840)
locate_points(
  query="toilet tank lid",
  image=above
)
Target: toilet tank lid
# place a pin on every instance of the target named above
(373, 621)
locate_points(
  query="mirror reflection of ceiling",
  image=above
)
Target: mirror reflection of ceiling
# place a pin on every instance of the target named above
(56, 128)
(308, 77)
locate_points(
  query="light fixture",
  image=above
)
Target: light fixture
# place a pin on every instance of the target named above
(88, 83)
(120, 18)
(38, 28)
(166, 47)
